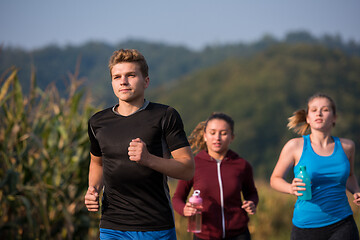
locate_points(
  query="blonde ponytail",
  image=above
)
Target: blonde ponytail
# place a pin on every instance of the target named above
(298, 123)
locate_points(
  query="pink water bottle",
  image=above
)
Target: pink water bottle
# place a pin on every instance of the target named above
(195, 220)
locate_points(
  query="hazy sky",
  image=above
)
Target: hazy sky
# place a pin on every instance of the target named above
(193, 23)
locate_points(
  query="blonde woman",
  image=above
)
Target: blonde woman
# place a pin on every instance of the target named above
(220, 175)
(329, 161)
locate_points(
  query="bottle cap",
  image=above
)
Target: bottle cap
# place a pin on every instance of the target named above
(302, 168)
(195, 198)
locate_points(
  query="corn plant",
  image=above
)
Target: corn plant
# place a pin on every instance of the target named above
(44, 157)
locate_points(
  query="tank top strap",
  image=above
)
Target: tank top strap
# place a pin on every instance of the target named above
(307, 142)
(338, 146)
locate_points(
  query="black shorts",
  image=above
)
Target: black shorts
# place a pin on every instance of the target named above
(345, 229)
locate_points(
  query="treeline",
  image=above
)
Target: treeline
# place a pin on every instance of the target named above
(167, 63)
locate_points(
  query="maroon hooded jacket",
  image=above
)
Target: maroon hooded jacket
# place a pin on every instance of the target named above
(220, 184)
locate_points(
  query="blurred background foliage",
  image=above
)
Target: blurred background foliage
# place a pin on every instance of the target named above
(44, 108)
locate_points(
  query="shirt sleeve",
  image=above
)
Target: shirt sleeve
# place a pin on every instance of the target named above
(181, 194)
(174, 130)
(249, 189)
(94, 144)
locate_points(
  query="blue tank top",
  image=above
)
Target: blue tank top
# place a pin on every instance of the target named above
(329, 174)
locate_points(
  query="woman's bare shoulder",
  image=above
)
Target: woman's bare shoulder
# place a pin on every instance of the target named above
(347, 144)
(295, 143)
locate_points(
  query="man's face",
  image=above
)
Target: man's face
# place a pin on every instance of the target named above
(128, 83)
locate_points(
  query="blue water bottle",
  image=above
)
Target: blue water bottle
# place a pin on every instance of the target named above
(304, 176)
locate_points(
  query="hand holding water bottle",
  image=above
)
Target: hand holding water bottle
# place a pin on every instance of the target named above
(301, 185)
(193, 209)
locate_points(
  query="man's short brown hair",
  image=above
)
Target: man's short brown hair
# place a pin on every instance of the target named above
(129, 55)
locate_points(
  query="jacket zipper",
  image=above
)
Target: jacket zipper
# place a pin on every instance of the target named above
(221, 199)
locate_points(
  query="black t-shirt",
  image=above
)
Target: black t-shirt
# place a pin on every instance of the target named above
(136, 198)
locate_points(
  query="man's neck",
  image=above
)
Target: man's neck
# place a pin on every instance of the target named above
(126, 108)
